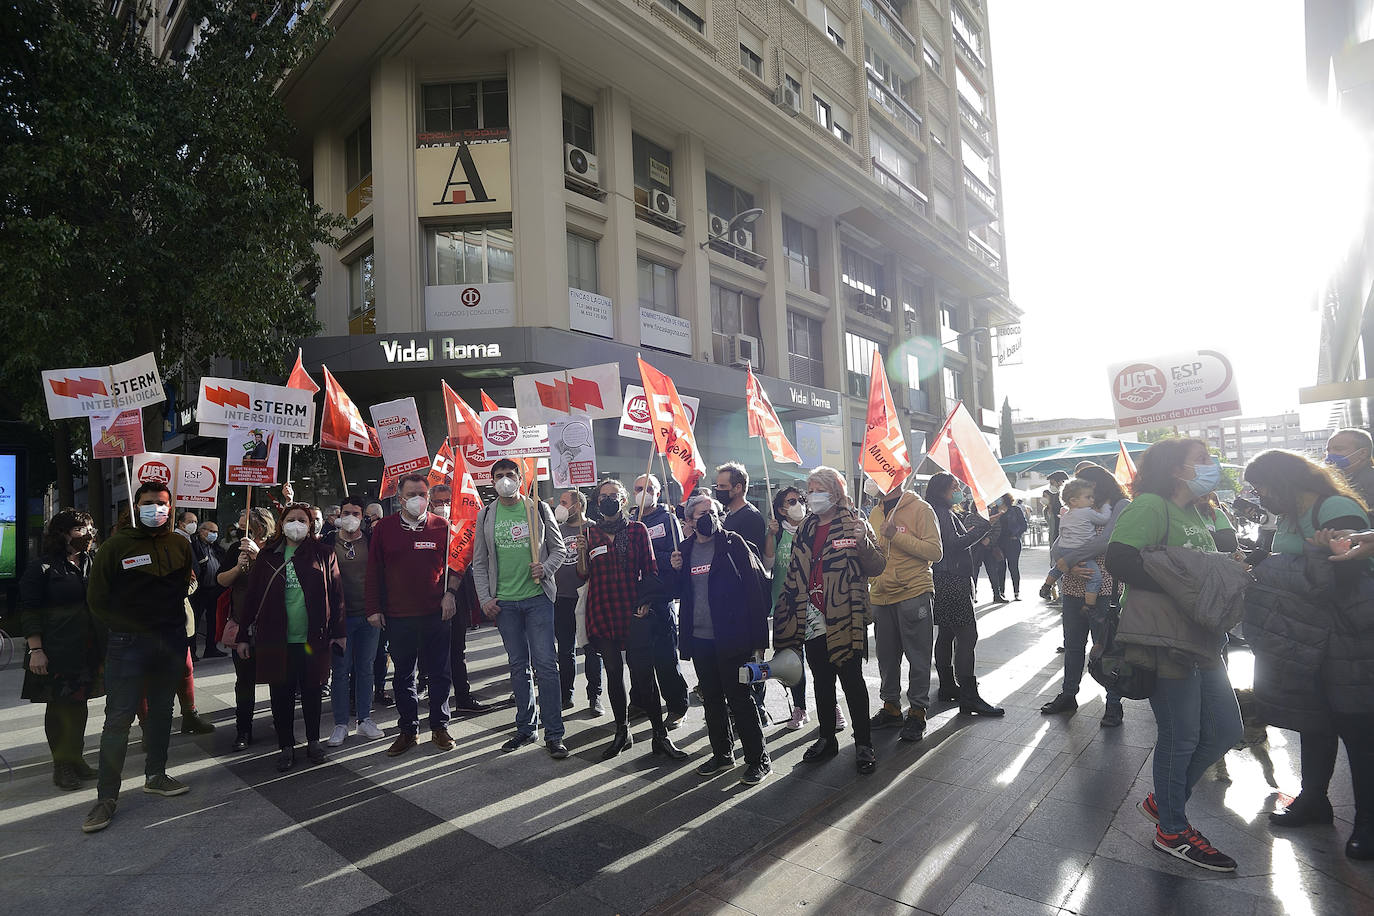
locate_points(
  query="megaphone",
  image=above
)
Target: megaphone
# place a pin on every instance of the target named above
(784, 667)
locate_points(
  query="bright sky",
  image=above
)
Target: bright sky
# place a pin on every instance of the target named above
(1168, 185)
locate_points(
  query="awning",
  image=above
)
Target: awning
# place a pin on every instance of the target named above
(1065, 457)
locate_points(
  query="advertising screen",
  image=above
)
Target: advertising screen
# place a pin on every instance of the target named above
(9, 516)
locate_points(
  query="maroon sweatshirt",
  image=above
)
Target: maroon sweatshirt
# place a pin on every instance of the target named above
(405, 567)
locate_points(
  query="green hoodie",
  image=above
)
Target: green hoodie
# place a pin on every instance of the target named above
(139, 580)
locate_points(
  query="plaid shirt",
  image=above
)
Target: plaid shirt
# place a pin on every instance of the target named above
(614, 580)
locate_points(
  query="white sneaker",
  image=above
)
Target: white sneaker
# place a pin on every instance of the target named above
(839, 720)
(352, 724)
(368, 729)
(337, 737)
(799, 718)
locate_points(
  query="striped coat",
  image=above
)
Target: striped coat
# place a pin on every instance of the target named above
(849, 557)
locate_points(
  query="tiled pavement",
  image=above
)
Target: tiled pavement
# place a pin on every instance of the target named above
(1023, 815)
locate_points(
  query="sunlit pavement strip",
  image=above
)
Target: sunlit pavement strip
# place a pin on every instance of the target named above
(1027, 814)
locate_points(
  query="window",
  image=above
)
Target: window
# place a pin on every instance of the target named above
(465, 106)
(949, 325)
(803, 254)
(362, 295)
(835, 37)
(858, 362)
(653, 164)
(804, 350)
(938, 131)
(860, 273)
(685, 13)
(657, 287)
(822, 112)
(968, 91)
(794, 84)
(828, 21)
(840, 126)
(954, 384)
(911, 305)
(943, 205)
(582, 272)
(358, 168)
(931, 53)
(732, 312)
(967, 28)
(724, 199)
(577, 125)
(976, 164)
(889, 155)
(469, 254)
(750, 60)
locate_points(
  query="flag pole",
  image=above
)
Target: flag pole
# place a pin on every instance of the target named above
(129, 488)
(248, 508)
(767, 482)
(341, 471)
(290, 450)
(648, 469)
(673, 532)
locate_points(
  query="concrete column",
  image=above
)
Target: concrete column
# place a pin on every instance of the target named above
(773, 305)
(396, 230)
(694, 279)
(539, 214)
(331, 296)
(617, 252)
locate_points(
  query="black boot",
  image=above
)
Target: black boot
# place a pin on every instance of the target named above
(243, 740)
(193, 723)
(1307, 808)
(662, 744)
(621, 741)
(971, 704)
(64, 777)
(949, 687)
(1361, 842)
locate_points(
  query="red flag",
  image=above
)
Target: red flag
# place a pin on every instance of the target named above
(672, 430)
(763, 421)
(441, 469)
(464, 428)
(342, 427)
(529, 467)
(1125, 467)
(462, 522)
(388, 485)
(300, 378)
(960, 448)
(884, 456)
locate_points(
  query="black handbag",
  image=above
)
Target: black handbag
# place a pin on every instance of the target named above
(1108, 666)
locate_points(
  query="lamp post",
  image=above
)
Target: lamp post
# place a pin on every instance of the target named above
(739, 221)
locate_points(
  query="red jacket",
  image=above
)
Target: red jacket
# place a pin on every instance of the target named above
(405, 567)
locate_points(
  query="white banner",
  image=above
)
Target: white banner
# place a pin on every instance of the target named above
(474, 305)
(634, 414)
(504, 437)
(592, 391)
(398, 429)
(572, 452)
(252, 456)
(1172, 389)
(223, 402)
(102, 389)
(591, 313)
(194, 480)
(1008, 344)
(664, 331)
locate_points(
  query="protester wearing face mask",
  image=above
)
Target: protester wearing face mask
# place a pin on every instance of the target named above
(351, 684)
(295, 604)
(1197, 718)
(665, 533)
(517, 592)
(405, 590)
(789, 508)
(617, 561)
(209, 557)
(137, 588)
(440, 499)
(732, 486)
(1350, 451)
(571, 515)
(824, 607)
(65, 644)
(187, 523)
(259, 526)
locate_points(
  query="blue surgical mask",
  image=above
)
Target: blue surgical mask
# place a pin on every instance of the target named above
(152, 515)
(1338, 461)
(1205, 478)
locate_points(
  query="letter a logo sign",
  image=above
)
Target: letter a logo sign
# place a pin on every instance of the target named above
(464, 184)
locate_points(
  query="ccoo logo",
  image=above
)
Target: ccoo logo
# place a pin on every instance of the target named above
(1139, 386)
(500, 431)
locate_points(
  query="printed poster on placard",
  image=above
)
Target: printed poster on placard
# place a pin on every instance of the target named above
(117, 435)
(572, 452)
(504, 437)
(634, 414)
(193, 479)
(253, 452)
(398, 430)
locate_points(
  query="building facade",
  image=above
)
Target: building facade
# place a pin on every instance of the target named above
(535, 185)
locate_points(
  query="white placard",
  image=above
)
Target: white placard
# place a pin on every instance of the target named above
(225, 401)
(664, 331)
(572, 453)
(592, 391)
(591, 313)
(1169, 389)
(102, 389)
(196, 478)
(473, 305)
(504, 437)
(398, 431)
(634, 413)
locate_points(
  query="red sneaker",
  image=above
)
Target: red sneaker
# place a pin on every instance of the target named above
(1191, 846)
(1147, 808)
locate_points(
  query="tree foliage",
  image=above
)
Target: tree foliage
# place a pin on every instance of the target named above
(1006, 432)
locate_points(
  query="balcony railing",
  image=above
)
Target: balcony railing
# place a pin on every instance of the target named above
(971, 55)
(984, 194)
(984, 251)
(888, 22)
(975, 121)
(895, 107)
(894, 185)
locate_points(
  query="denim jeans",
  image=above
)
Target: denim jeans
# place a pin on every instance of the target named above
(1077, 626)
(360, 651)
(136, 662)
(1198, 721)
(526, 628)
(411, 637)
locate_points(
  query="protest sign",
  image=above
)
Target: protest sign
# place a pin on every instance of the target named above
(193, 480)
(117, 435)
(572, 453)
(103, 389)
(223, 402)
(253, 452)
(634, 414)
(504, 437)
(398, 431)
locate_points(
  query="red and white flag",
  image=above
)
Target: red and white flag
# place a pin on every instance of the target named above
(462, 522)
(529, 467)
(301, 379)
(883, 457)
(672, 430)
(342, 427)
(1125, 467)
(960, 448)
(441, 468)
(763, 421)
(545, 397)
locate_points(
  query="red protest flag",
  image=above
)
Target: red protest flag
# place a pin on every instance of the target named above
(672, 430)
(342, 427)
(960, 448)
(300, 378)
(464, 427)
(529, 467)
(441, 469)
(884, 457)
(462, 523)
(388, 485)
(763, 421)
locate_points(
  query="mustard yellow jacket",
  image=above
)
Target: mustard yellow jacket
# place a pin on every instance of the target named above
(910, 551)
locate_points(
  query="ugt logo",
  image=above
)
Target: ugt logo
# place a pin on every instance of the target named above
(501, 430)
(469, 179)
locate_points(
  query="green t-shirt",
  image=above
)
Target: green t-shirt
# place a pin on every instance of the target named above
(1215, 520)
(1293, 531)
(782, 559)
(1151, 519)
(296, 617)
(514, 582)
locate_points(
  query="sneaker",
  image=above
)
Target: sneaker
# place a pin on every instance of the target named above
(338, 736)
(469, 705)
(886, 718)
(516, 742)
(756, 774)
(1191, 846)
(557, 749)
(368, 729)
(716, 765)
(1112, 717)
(799, 718)
(100, 816)
(1148, 808)
(914, 729)
(193, 723)
(673, 719)
(840, 723)
(595, 708)
(165, 785)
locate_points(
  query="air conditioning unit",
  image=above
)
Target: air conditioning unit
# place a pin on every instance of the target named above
(743, 238)
(744, 351)
(579, 163)
(862, 301)
(885, 303)
(717, 226)
(785, 98)
(663, 204)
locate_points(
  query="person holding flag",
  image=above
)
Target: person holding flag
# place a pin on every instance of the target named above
(665, 534)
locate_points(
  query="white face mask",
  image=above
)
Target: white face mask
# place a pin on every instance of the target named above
(560, 513)
(441, 511)
(819, 503)
(415, 506)
(317, 524)
(871, 489)
(151, 515)
(796, 512)
(189, 527)
(350, 523)
(507, 487)
(295, 531)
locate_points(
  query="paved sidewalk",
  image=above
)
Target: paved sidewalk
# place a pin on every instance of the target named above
(1022, 815)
